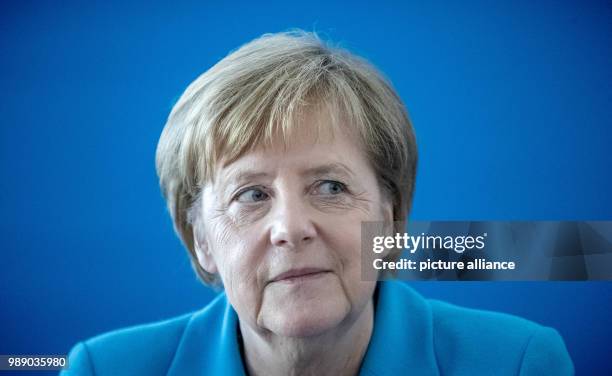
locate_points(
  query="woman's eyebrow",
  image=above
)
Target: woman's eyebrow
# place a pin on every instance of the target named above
(331, 168)
(243, 176)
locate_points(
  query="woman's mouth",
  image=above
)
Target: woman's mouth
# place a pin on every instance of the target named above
(300, 275)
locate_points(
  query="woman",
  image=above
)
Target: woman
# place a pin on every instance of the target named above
(270, 162)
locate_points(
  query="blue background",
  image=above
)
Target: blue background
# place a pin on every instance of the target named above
(511, 104)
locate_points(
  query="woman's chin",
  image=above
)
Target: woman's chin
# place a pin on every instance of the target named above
(301, 316)
(308, 322)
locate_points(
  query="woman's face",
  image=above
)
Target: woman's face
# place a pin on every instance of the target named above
(282, 227)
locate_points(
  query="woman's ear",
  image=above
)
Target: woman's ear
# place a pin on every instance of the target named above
(202, 251)
(387, 209)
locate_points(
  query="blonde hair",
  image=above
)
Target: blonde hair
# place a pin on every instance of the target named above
(254, 96)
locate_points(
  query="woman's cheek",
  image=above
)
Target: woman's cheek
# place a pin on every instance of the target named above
(244, 261)
(240, 281)
(228, 248)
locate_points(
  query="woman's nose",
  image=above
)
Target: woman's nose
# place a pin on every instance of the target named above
(292, 225)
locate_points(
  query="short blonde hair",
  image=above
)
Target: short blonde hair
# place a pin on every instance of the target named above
(255, 94)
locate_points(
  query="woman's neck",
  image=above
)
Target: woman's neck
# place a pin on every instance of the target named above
(337, 352)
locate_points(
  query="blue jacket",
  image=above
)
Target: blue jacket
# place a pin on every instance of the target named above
(412, 335)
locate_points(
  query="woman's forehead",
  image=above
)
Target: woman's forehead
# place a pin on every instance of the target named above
(314, 125)
(305, 154)
(316, 135)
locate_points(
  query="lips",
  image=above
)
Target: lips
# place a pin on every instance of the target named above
(295, 274)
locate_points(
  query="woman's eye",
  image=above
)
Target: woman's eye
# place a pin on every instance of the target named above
(331, 188)
(252, 195)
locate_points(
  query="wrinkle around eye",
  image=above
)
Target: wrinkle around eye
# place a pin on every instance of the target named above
(242, 214)
(346, 201)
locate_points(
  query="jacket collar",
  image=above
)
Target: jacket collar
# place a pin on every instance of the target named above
(402, 340)
(209, 345)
